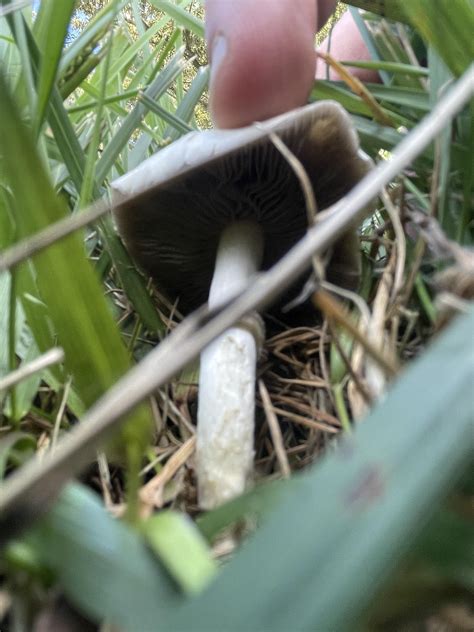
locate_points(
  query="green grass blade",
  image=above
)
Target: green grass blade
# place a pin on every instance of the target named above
(79, 74)
(88, 181)
(132, 281)
(61, 126)
(88, 39)
(407, 97)
(466, 226)
(352, 102)
(324, 552)
(11, 444)
(179, 125)
(37, 205)
(440, 567)
(448, 27)
(156, 89)
(181, 16)
(440, 80)
(25, 391)
(20, 31)
(390, 9)
(104, 568)
(163, 50)
(89, 105)
(36, 312)
(389, 66)
(5, 292)
(188, 104)
(254, 503)
(53, 20)
(369, 42)
(9, 55)
(182, 549)
(123, 61)
(331, 90)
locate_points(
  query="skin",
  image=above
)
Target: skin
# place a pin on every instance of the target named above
(262, 54)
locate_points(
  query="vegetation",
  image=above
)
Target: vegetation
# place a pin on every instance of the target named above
(360, 516)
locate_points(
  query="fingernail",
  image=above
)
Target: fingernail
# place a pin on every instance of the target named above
(218, 52)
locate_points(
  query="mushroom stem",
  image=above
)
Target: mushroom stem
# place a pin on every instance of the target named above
(226, 409)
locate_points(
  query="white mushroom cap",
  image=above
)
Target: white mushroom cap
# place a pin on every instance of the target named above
(175, 205)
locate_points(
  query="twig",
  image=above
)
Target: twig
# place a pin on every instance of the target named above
(308, 192)
(361, 387)
(331, 308)
(53, 233)
(376, 333)
(356, 85)
(59, 416)
(151, 493)
(310, 423)
(400, 244)
(300, 172)
(350, 296)
(53, 356)
(275, 431)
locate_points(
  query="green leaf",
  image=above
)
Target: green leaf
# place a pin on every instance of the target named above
(53, 21)
(350, 101)
(439, 568)
(182, 549)
(322, 555)
(103, 567)
(440, 79)
(132, 281)
(26, 390)
(390, 9)
(13, 444)
(448, 547)
(9, 55)
(36, 312)
(254, 504)
(448, 26)
(5, 284)
(407, 97)
(20, 30)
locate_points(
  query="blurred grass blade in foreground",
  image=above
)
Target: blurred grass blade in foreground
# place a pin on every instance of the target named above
(368, 502)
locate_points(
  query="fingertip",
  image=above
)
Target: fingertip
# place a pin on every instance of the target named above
(262, 58)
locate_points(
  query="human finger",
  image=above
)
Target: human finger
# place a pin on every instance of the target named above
(262, 57)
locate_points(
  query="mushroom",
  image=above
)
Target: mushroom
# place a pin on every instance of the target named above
(201, 217)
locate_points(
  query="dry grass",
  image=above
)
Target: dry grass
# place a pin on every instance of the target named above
(312, 383)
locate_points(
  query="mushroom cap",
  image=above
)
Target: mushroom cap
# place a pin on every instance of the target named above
(172, 209)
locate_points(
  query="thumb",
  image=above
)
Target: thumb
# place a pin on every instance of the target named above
(262, 57)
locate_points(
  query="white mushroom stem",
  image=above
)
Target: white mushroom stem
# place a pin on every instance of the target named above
(226, 409)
